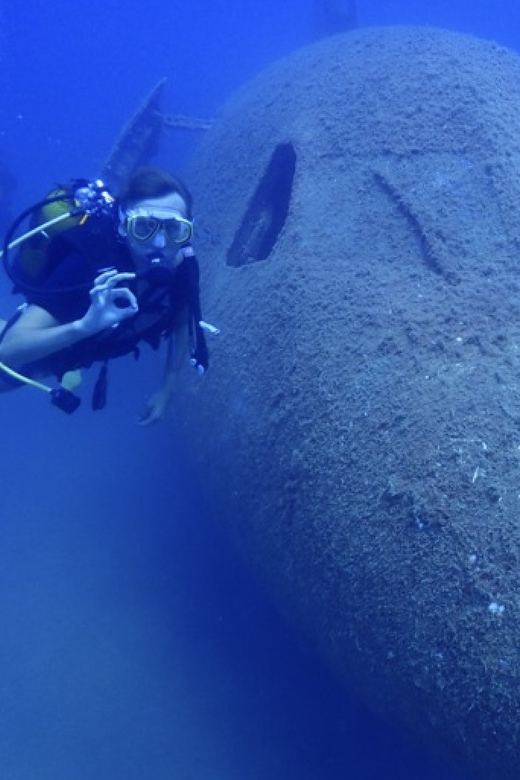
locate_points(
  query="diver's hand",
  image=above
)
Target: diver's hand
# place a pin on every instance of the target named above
(155, 408)
(104, 311)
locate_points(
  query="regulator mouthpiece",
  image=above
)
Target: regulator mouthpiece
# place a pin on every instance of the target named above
(158, 274)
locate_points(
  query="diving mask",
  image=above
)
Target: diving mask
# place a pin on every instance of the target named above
(143, 225)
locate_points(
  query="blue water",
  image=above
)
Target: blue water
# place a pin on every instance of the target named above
(133, 644)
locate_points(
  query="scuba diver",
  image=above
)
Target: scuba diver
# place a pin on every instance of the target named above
(101, 275)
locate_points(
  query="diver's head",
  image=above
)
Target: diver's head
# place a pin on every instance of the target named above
(155, 219)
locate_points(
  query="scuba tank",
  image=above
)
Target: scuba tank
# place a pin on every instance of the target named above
(62, 209)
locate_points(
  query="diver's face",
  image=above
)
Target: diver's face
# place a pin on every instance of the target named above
(156, 229)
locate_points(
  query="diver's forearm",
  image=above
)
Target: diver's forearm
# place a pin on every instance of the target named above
(177, 350)
(25, 344)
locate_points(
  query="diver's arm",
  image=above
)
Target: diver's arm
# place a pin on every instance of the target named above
(176, 353)
(38, 334)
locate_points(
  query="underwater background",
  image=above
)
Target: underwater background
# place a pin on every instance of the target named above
(133, 643)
